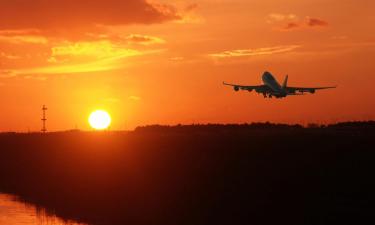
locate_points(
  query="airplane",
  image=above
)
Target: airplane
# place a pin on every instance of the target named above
(272, 88)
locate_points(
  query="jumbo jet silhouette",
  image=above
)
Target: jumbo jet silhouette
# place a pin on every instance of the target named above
(272, 88)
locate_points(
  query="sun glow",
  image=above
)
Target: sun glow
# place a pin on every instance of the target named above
(99, 120)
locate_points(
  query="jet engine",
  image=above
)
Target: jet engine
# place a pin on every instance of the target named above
(236, 88)
(312, 91)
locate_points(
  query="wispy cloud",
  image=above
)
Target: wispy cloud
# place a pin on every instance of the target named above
(314, 22)
(57, 14)
(121, 38)
(255, 52)
(277, 17)
(86, 57)
(308, 22)
(96, 52)
(81, 57)
(23, 39)
(96, 49)
(9, 56)
(188, 14)
(290, 26)
(54, 36)
(19, 32)
(287, 22)
(144, 39)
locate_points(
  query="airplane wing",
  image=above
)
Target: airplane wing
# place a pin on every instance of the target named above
(293, 90)
(257, 88)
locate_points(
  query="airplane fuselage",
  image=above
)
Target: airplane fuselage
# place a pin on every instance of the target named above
(276, 89)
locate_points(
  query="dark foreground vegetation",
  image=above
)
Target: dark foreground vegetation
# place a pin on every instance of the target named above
(197, 175)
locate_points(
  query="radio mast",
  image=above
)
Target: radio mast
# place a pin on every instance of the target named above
(44, 119)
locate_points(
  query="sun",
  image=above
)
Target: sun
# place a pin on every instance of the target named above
(99, 120)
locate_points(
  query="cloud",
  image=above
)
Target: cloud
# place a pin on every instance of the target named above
(23, 39)
(22, 36)
(81, 57)
(290, 26)
(98, 52)
(144, 39)
(9, 56)
(291, 21)
(20, 32)
(72, 68)
(120, 37)
(313, 22)
(277, 17)
(69, 14)
(71, 36)
(188, 14)
(255, 52)
(96, 49)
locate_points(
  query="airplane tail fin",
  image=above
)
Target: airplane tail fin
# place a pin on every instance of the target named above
(285, 82)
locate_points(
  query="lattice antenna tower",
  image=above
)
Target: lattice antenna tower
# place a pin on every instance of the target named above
(44, 119)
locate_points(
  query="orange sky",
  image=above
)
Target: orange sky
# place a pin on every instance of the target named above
(163, 61)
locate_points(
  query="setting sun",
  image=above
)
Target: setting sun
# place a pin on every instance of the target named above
(99, 120)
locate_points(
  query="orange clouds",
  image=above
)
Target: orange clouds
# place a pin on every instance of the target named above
(23, 36)
(144, 39)
(79, 57)
(275, 17)
(313, 22)
(24, 54)
(22, 39)
(100, 49)
(307, 23)
(292, 21)
(69, 36)
(255, 52)
(55, 14)
(291, 25)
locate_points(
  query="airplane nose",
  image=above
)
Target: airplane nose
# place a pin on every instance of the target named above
(266, 74)
(264, 77)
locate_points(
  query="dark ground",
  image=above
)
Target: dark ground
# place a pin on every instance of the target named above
(197, 175)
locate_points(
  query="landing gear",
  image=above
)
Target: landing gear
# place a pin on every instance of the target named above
(265, 95)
